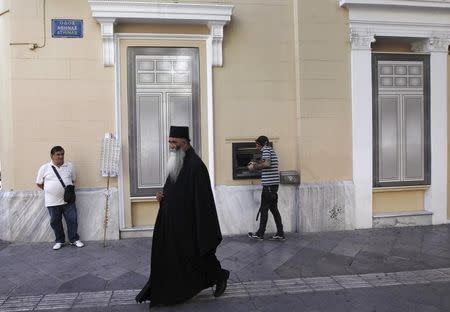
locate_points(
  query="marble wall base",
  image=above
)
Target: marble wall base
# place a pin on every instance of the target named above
(313, 207)
(23, 216)
(326, 206)
(237, 207)
(403, 219)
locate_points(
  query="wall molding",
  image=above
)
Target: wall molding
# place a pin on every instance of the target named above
(433, 44)
(397, 3)
(399, 18)
(110, 12)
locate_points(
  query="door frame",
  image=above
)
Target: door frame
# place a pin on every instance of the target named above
(207, 141)
(425, 59)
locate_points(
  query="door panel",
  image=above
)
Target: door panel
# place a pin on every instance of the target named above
(163, 90)
(149, 140)
(413, 117)
(389, 138)
(180, 110)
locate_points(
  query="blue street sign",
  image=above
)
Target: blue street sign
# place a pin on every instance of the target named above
(67, 28)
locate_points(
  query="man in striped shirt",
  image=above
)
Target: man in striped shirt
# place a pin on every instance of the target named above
(270, 179)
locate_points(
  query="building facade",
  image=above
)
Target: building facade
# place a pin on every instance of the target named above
(353, 95)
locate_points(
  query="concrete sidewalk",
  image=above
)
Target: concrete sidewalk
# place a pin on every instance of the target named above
(94, 278)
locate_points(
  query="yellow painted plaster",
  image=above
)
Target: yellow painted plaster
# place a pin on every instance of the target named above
(144, 213)
(398, 200)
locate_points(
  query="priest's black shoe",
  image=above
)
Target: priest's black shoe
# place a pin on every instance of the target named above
(222, 284)
(143, 295)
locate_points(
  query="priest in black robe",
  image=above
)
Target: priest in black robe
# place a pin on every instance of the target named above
(187, 231)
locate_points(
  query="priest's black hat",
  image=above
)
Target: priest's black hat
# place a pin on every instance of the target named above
(179, 132)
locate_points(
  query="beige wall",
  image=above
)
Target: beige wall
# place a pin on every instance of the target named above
(398, 200)
(144, 213)
(62, 93)
(291, 84)
(254, 92)
(324, 103)
(65, 81)
(6, 133)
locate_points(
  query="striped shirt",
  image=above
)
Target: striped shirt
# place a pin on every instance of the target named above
(270, 176)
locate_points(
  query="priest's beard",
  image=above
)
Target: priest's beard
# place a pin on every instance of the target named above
(175, 163)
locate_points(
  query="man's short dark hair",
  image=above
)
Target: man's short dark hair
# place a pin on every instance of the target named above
(56, 149)
(262, 140)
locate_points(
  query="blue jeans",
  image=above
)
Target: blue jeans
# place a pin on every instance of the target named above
(69, 211)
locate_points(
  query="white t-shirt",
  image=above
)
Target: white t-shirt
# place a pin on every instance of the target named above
(53, 189)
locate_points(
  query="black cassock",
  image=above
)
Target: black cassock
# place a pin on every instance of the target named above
(185, 237)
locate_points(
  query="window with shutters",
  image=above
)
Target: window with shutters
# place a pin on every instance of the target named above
(401, 120)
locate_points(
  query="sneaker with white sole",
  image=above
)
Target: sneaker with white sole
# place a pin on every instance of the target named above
(77, 243)
(57, 246)
(278, 237)
(255, 236)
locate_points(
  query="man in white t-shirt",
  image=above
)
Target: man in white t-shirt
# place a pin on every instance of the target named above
(48, 181)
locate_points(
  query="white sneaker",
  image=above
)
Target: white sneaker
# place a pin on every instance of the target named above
(57, 246)
(77, 243)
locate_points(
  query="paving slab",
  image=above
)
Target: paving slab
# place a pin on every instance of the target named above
(306, 263)
(127, 280)
(87, 282)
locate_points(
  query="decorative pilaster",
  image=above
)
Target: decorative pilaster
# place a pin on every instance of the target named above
(361, 69)
(436, 196)
(432, 44)
(107, 31)
(361, 40)
(216, 32)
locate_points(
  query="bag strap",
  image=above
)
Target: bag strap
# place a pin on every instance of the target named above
(59, 177)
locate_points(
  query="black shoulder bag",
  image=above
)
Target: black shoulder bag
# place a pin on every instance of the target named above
(69, 190)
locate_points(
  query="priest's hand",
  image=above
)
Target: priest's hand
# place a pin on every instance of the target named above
(159, 196)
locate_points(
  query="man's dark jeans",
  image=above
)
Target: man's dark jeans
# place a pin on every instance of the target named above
(69, 211)
(269, 201)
